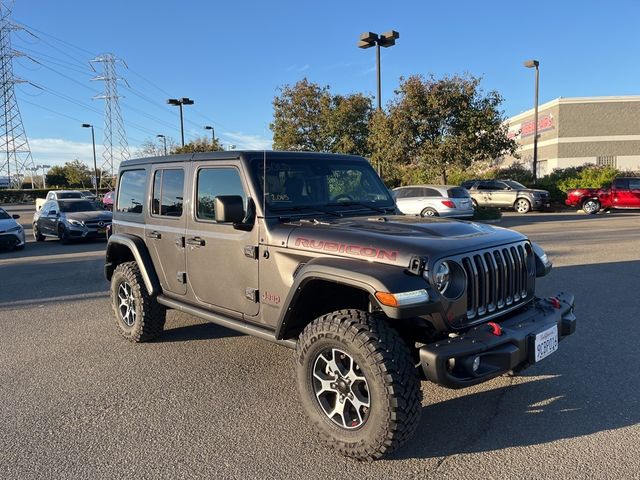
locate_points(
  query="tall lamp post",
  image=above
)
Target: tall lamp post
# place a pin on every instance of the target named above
(180, 102)
(164, 139)
(213, 133)
(535, 64)
(95, 164)
(370, 39)
(44, 176)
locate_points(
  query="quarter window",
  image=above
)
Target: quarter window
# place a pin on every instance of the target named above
(168, 186)
(213, 182)
(131, 191)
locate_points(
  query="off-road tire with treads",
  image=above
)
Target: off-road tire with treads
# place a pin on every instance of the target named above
(150, 315)
(385, 362)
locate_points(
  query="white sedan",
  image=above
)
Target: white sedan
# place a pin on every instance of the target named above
(11, 232)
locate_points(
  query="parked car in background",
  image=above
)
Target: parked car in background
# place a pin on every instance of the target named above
(107, 200)
(624, 193)
(11, 232)
(70, 219)
(434, 201)
(89, 195)
(507, 194)
(58, 195)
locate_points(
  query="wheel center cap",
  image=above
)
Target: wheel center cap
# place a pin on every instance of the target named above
(342, 386)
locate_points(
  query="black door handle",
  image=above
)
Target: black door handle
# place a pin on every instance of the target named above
(197, 241)
(154, 234)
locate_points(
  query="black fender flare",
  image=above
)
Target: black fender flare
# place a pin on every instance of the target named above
(141, 256)
(367, 276)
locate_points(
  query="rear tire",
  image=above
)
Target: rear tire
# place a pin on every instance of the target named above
(522, 205)
(591, 206)
(140, 318)
(356, 355)
(429, 212)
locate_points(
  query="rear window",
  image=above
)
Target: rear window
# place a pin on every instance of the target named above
(634, 184)
(69, 195)
(83, 206)
(457, 192)
(131, 191)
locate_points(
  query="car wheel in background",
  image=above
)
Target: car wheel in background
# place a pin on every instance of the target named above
(591, 206)
(63, 235)
(474, 202)
(522, 205)
(429, 212)
(36, 233)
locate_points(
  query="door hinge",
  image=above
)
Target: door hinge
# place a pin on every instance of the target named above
(251, 251)
(251, 294)
(182, 277)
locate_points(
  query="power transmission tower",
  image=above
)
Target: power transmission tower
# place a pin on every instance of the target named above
(15, 154)
(115, 138)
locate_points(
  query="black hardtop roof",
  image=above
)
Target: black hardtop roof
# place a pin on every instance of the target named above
(235, 155)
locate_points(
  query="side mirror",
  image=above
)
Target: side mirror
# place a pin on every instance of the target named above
(15, 217)
(229, 209)
(52, 213)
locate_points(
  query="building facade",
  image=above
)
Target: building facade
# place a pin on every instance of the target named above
(577, 131)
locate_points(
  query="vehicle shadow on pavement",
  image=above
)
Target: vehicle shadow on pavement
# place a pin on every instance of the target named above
(200, 331)
(515, 220)
(590, 385)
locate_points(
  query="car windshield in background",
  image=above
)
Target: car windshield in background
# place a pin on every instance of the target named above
(4, 215)
(458, 192)
(69, 195)
(303, 184)
(514, 184)
(84, 206)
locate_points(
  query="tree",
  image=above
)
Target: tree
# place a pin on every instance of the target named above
(56, 177)
(154, 147)
(77, 173)
(307, 117)
(200, 144)
(435, 124)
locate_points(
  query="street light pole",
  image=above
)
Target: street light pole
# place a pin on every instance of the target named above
(180, 102)
(213, 133)
(165, 142)
(535, 64)
(95, 163)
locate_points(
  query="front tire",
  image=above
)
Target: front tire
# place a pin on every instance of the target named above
(358, 383)
(36, 233)
(63, 234)
(522, 205)
(139, 317)
(591, 206)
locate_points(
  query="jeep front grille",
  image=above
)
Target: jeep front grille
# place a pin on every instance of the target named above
(497, 278)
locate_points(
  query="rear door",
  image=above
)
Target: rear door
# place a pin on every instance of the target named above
(222, 261)
(620, 193)
(502, 195)
(634, 192)
(165, 228)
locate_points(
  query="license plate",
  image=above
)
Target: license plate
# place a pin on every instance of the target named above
(102, 230)
(546, 343)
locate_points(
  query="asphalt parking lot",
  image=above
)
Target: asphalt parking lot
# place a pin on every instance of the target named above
(78, 401)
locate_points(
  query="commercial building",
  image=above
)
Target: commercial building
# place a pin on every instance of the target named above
(577, 131)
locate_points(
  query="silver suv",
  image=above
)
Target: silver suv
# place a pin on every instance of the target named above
(308, 251)
(507, 194)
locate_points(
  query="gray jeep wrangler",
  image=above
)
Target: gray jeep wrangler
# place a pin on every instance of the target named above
(308, 250)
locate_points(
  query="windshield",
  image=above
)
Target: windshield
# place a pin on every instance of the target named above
(4, 215)
(514, 184)
(305, 183)
(84, 206)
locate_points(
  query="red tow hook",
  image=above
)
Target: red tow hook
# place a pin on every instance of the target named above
(555, 302)
(495, 328)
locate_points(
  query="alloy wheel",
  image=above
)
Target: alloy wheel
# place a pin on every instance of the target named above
(127, 304)
(522, 206)
(341, 389)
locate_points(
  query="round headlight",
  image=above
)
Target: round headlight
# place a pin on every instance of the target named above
(441, 276)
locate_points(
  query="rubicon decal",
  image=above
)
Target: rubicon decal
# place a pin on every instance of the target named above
(349, 249)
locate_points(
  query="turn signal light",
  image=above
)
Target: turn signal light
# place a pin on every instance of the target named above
(403, 298)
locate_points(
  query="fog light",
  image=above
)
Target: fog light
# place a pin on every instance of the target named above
(451, 364)
(476, 364)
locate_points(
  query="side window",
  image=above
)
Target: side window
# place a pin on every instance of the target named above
(621, 183)
(634, 184)
(431, 192)
(500, 186)
(400, 193)
(484, 185)
(167, 192)
(131, 191)
(213, 182)
(50, 196)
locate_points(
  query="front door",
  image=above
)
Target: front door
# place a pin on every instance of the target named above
(166, 225)
(221, 259)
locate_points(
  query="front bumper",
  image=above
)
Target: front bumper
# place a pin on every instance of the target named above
(540, 203)
(448, 362)
(12, 239)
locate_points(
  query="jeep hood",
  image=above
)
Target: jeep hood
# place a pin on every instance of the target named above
(395, 239)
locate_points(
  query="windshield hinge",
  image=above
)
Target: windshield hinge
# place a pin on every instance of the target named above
(417, 265)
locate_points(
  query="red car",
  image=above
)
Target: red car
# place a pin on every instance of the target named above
(107, 200)
(624, 193)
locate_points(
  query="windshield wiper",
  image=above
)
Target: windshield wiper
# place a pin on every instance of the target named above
(359, 204)
(299, 208)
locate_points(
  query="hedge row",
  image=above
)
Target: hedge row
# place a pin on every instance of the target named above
(29, 196)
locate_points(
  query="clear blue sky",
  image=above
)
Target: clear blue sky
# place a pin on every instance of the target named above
(231, 57)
